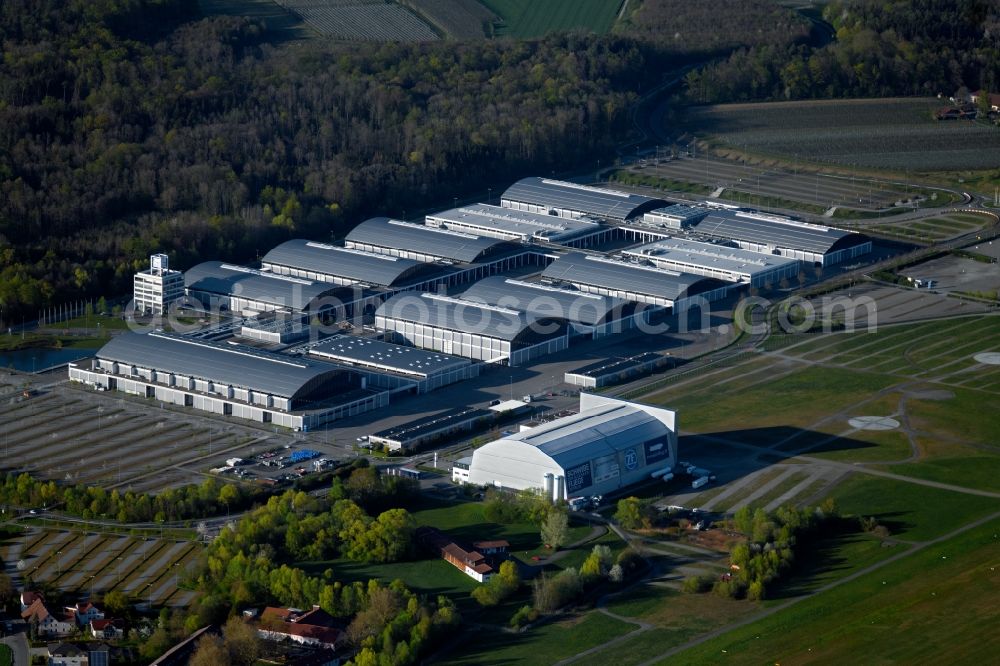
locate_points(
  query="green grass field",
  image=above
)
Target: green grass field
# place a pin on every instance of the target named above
(938, 604)
(544, 645)
(431, 576)
(530, 18)
(912, 512)
(936, 228)
(814, 391)
(6, 656)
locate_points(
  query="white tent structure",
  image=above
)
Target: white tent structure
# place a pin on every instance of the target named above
(608, 445)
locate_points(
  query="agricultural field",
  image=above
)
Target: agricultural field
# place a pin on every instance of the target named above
(894, 134)
(147, 569)
(529, 18)
(763, 184)
(349, 20)
(362, 20)
(934, 229)
(459, 19)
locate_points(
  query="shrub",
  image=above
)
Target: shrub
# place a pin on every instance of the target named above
(523, 616)
(697, 584)
(630, 560)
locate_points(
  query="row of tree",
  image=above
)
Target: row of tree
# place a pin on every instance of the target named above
(209, 498)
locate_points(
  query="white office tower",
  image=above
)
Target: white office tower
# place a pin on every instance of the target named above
(156, 288)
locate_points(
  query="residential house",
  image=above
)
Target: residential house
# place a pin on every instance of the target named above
(479, 562)
(28, 597)
(99, 654)
(315, 627)
(993, 97)
(107, 629)
(47, 624)
(83, 612)
(73, 654)
(67, 654)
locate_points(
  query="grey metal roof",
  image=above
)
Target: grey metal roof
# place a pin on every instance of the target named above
(218, 278)
(776, 231)
(456, 314)
(578, 268)
(544, 301)
(515, 224)
(708, 255)
(376, 269)
(444, 243)
(592, 433)
(395, 358)
(224, 363)
(599, 201)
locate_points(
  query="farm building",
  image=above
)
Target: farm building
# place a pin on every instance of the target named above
(632, 282)
(588, 314)
(521, 225)
(718, 261)
(479, 562)
(466, 328)
(573, 201)
(342, 266)
(773, 234)
(390, 366)
(608, 445)
(228, 379)
(314, 627)
(993, 98)
(249, 291)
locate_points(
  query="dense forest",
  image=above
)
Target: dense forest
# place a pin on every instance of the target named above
(129, 126)
(911, 47)
(211, 142)
(133, 126)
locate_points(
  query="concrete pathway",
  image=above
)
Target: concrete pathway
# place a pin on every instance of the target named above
(18, 644)
(766, 488)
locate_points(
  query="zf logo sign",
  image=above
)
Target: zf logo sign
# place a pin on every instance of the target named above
(631, 459)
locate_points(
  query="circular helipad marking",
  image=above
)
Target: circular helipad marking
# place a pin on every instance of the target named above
(874, 423)
(989, 358)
